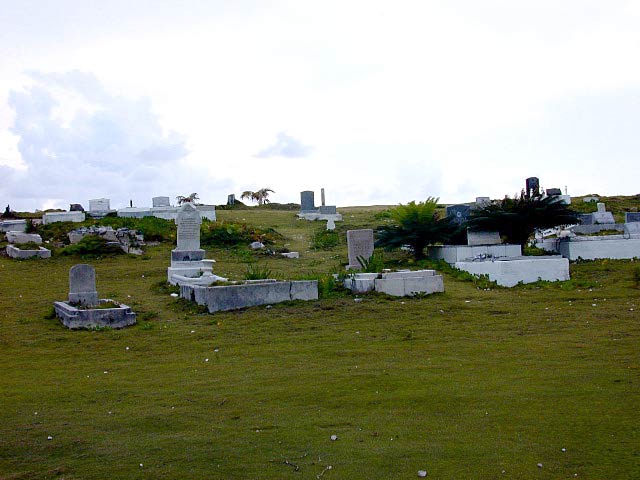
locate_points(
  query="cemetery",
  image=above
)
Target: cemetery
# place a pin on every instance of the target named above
(475, 358)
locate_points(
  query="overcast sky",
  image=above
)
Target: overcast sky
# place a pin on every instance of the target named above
(377, 102)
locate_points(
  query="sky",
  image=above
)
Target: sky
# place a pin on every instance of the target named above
(377, 102)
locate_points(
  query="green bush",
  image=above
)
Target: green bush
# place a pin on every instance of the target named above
(57, 232)
(325, 240)
(373, 264)
(220, 234)
(92, 245)
(154, 229)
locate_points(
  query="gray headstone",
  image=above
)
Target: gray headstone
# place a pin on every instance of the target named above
(231, 199)
(632, 217)
(552, 192)
(322, 196)
(532, 186)
(359, 243)
(82, 285)
(161, 202)
(632, 228)
(327, 210)
(76, 207)
(482, 202)
(483, 238)
(602, 208)
(99, 205)
(188, 220)
(585, 218)
(459, 213)
(307, 202)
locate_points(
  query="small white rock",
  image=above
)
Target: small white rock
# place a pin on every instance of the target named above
(467, 301)
(141, 465)
(126, 348)
(564, 449)
(593, 305)
(216, 350)
(49, 437)
(174, 294)
(193, 331)
(539, 465)
(206, 359)
(422, 473)
(357, 300)
(105, 371)
(334, 437)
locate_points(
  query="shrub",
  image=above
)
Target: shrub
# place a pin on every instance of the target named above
(257, 272)
(325, 240)
(93, 245)
(373, 264)
(154, 229)
(220, 234)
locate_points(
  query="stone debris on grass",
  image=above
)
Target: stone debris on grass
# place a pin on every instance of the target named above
(206, 359)
(422, 473)
(334, 437)
(563, 449)
(539, 465)
(357, 300)
(49, 437)
(173, 294)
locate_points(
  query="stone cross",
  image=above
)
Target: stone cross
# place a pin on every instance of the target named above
(359, 243)
(82, 285)
(331, 224)
(188, 220)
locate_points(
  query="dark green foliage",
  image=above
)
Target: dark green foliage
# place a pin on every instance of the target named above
(30, 226)
(325, 240)
(56, 232)
(220, 234)
(92, 245)
(517, 218)
(28, 246)
(636, 277)
(154, 229)
(534, 252)
(416, 225)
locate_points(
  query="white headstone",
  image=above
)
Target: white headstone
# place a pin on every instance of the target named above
(99, 205)
(188, 221)
(331, 224)
(161, 202)
(601, 207)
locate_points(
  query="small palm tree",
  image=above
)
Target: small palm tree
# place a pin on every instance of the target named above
(188, 199)
(262, 195)
(517, 218)
(416, 225)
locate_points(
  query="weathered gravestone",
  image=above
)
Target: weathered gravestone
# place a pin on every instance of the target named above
(188, 220)
(483, 238)
(602, 216)
(459, 213)
(632, 217)
(552, 192)
(322, 196)
(231, 199)
(482, 202)
(76, 207)
(585, 218)
(532, 187)
(82, 285)
(307, 202)
(161, 202)
(99, 205)
(359, 244)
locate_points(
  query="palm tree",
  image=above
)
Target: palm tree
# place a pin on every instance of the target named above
(189, 199)
(260, 196)
(416, 225)
(517, 218)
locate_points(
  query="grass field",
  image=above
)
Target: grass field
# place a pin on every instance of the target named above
(472, 383)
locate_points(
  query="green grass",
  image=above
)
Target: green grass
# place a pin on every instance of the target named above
(465, 384)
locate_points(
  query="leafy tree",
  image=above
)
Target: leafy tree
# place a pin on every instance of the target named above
(416, 225)
(249, 195)
(188, 199)
(517, 218)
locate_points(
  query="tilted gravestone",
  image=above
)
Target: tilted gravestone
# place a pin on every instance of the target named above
(459, 213)
(82, 285)
(307, 202)
(359, 244)
(552, 192)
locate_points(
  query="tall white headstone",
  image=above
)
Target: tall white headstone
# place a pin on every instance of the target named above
(188, 221)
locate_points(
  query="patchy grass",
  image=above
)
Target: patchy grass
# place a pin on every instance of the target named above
(465, 384)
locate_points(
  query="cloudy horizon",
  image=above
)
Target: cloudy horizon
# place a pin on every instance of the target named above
(378, 104)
